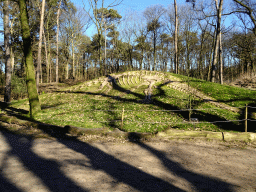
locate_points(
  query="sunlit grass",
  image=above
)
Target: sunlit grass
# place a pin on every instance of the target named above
(91, 107)
(233, 96)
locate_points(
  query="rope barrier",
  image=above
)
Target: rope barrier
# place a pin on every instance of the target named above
(174, 110)
(165, 122)
(160, 122)
(193, 122)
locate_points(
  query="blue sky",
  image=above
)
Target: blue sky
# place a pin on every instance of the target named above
(137, 5)
(140, 5)
(127, 6)
(124, 7)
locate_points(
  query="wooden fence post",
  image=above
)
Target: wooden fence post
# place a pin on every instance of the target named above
(246, 116)
(122, 122)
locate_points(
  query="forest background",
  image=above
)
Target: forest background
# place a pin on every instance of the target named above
(211, 40)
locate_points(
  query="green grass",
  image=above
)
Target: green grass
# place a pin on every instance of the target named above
(233, 96)
(89, 107)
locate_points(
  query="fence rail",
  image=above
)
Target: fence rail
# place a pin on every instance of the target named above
(159, 110)
(171, 110)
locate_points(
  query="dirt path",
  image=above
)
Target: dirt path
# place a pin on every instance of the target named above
(72, 165)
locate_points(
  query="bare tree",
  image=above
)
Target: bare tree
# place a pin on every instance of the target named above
(8, 67)
(217, 53)
(57, 43)
(97, 17)
(217, 42)
(153, 14)
(249, 8)
(221, 62)
(40, 45)
(176, 38)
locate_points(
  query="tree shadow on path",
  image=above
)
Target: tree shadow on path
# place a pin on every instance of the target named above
(6, 186)
(120, 171)
(140, 180)
(47, 170)
(199, 182)
(55, 180)
(51, 175)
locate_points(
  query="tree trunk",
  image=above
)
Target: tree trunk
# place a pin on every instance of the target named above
(57, 43)
(8, 67)
(49, 55)
(11, 48)
(200, 62)
(176, 38)
(221, 62)
(210, 60)
(154, 41)
(105, 50)
(50, 71)
(30, 71)
(214, 61)
(12, 61)
(67, 70)
(102, 68)
(77, 74)
(73, 56)
(188, 60)
(46, 59)
(217, 42)
(40, 45)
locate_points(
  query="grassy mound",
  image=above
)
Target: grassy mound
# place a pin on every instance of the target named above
(147, 102)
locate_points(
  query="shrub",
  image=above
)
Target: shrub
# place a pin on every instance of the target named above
(246, 80)
(19, 88)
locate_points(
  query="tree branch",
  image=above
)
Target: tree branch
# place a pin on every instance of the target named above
(249, 12)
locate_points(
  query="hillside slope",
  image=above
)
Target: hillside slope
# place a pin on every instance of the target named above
(147, 102)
